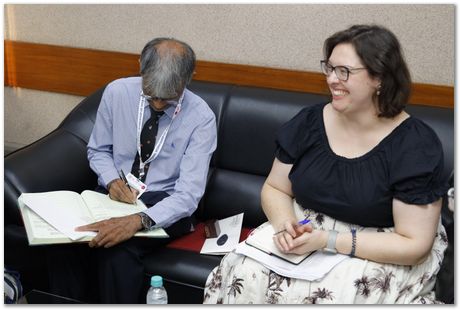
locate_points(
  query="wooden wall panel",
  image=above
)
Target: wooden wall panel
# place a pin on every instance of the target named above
(311, 82)
(80, 71)
(60, 69)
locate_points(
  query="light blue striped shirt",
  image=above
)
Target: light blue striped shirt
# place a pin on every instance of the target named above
(182, 165)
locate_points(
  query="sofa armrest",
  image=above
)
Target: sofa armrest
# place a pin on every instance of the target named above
(56, 162)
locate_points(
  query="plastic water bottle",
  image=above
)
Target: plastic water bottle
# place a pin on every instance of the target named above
(157, 294)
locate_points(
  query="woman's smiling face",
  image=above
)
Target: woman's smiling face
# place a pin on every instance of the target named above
(359, 89)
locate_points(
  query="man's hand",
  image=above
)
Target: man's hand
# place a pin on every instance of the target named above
(120, 192)
(113, 231)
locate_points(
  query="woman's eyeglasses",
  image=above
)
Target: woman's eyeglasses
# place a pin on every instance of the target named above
(341, 72)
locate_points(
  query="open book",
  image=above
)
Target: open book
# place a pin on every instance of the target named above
(262, 239)
(51, 217)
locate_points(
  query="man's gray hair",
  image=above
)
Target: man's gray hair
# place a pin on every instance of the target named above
(167, 67)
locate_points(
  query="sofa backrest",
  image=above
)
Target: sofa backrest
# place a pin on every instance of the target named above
(245, 151)
(442, 122)
(247, 120)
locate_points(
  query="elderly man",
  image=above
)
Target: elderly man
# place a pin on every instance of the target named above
(155, 128)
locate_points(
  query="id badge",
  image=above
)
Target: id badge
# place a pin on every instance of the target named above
(136, 184)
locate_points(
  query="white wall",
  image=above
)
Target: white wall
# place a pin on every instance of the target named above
(273, 35)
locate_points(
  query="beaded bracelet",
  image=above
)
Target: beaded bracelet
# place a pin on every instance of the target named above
(353, 242)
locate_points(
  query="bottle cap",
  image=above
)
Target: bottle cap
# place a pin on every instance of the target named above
(156, 281)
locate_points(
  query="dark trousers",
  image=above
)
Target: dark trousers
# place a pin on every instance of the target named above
(109, 276)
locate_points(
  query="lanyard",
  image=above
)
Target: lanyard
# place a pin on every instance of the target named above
(159, 142)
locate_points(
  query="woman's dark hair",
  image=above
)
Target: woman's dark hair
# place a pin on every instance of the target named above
(381, 54)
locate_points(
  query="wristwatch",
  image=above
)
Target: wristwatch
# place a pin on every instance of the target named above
(147, 222)
(330, 247)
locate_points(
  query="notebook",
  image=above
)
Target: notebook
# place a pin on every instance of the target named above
(262, 239)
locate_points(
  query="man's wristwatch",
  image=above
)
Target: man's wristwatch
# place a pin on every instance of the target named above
(147, 222)
(330, 247)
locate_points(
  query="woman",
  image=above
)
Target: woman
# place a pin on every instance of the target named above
(367, 175)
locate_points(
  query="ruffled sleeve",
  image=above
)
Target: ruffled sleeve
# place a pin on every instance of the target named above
(417, 166)
(295, 136)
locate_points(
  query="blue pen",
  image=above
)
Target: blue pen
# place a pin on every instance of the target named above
(302, 222)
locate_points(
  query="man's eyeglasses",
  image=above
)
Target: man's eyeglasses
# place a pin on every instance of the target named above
(172, 101)
(341, 72)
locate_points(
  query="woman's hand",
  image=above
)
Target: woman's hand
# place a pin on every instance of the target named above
(300, 239)
(284, 235)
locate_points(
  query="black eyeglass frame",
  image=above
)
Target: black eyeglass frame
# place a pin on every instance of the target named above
(173, 100)
(325, 65)
(150, 98)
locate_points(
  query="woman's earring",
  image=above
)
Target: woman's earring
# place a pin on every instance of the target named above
(378, 90)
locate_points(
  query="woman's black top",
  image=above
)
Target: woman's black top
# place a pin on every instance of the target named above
(406, 165)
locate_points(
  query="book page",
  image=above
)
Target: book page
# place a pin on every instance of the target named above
(102, 207)
(63, 210)
(40, 232)
(262, 239)
(39, 228)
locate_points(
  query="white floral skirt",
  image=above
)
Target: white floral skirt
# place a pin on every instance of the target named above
(241, 280)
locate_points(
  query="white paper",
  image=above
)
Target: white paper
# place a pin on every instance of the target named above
(230, 226)
(41, 228)
(102, 207)
(262, 238)
(49, 207)
(314, 267)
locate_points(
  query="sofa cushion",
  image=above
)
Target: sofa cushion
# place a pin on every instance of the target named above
(229, 193)
(81, 119)
(181, 266)
(194, 241)
(251, 119)
(181, 263)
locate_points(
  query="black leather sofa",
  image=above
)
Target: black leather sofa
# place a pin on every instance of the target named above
(247, 119)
